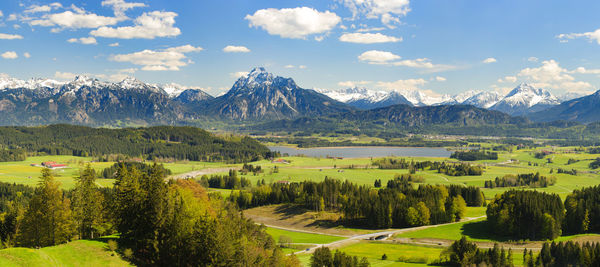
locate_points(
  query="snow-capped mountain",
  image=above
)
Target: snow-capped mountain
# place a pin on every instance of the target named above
(525, 99)
(459, 98)
(368, 99)
(484, 99)
(262, 95)
(7, 82)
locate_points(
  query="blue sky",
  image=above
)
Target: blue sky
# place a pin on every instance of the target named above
(439, 46)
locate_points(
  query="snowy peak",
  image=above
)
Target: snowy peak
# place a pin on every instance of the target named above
(258, 76)
(527, 95)
(485, 99)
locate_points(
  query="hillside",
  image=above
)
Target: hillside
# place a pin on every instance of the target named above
(77, 253)
(154, 142)
(585, 109)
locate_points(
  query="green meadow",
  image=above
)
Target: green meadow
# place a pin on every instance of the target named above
(300, 237)
(77, 253)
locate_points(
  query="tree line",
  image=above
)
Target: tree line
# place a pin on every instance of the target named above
(160, 142)
(176, 223)
(567, 253)
(514, 180)
(399, 204)
(229, 181)
(450, 169)
(474, 155)
(465, 253)
(111, 172)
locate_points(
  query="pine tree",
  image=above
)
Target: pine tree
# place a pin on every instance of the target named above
(87, 204)
(47, 221)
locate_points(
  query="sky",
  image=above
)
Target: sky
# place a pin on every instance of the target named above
(437, 46)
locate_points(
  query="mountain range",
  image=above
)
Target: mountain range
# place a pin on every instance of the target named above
(522, 100)
(261, 96)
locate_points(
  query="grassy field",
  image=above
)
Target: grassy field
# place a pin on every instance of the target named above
(77, 253)
(299, 237)
(397, 253)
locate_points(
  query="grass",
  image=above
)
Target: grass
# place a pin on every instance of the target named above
(299, 237)
(407, 253)
(76, 253)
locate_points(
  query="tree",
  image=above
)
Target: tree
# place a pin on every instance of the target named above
(458, 208)
(321, 258)
(87, 204)
(47, 221)
(285, 240)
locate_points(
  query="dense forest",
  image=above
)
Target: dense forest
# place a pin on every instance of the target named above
(465, 253)
(522, 214)
(564, 254)
(111, 172)
(160, 142)
(159, 224)
(526, 179)
(399, 204)
(583, 210)
(474, 155)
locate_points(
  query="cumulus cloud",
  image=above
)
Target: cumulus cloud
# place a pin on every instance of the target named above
(1, 14)
(387, 58)
(120, 6)
(289, 66)
(511, 79)
(83, 40)
(147, 26)
(368, 38)
(591, 36)
(5, 36)
(532, 59)
(159, 60)
(113, 44)
(295, 23)
(489, 60)
(377, 57)
(76, 19)
(42, 8)
(26, 55)
(440, 79)
(64, 75)
(353, 83)
(410, 84)
(388, 11)
(9, 55)
(551, 75)
(236, 49)
(302, 67)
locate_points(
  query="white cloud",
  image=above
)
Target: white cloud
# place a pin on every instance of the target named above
(377, 57)
(374, 29)
(79, 19)
(147, 26)
(388, 11)
(114, 44)
(120, 6)
(511, 79)
(440, 79)
(289, 66)
(532, 59)
(368, 38)
(410, 84)
(159, 60)
(1, 14)
(83, 40)
(552, 75)
(236, 49)
(238, 74)
(387, 58)
(64, 75)
(591, 36)
(296, 23)
(302, 67)
(12, 17)
(26, 55)
(489, 60)
(10, 55)
(43, 8)
(353, 83)
(5, 36)
(583, 70)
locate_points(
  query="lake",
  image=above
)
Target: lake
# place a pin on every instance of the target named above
(364, 151)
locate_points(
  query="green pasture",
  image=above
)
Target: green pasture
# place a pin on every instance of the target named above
(299, 237)
(76, 253)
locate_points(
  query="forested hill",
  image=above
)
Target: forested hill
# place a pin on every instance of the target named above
(406, 115)
(149, 143)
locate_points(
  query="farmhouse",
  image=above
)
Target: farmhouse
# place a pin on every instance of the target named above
(281, 161)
